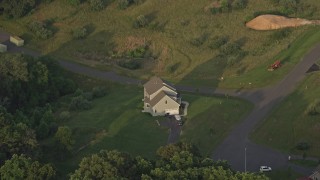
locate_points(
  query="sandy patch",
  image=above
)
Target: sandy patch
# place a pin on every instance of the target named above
(271, 22)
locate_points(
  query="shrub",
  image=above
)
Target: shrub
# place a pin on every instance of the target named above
(140, 22)
(74, 2)
(130, 64)
(199, 40)
(64, 115)
(218, 41)
(313, 108)
(216, 10)
(80, 103)
(239, 4)
(123, 4)
(16, 8)
(79, 33)
(40, 30)
(98, 92)
(138, 52)
(97, 5)
(303, 146)
(280, 34)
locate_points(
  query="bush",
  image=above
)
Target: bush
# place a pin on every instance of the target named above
(239, 4)
(98, 92)
(218, 41)
(303, 146)
(123, 4)
(16, 8)
(140, 22)
(216, 10)
(40, 30)
(130, 64)
(97, 5)
(79, 33)
(313, 108)
(64, 115)
(199, 40)
(74, 2)
(138, 52)
(280, 34)
(80, 103)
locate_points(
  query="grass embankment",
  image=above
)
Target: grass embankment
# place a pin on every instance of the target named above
(288, 124)
(172, 34)
(210, 119)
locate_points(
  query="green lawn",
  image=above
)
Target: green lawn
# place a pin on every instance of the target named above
(116, 122)
(283, 174)
(210, 119)
(305, 162)
(288, 124)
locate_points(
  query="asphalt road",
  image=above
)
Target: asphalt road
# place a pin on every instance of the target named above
(236, 145)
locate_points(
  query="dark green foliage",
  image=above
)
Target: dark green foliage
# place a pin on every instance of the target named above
(123, 4)
(130, 64)
(74, 2)
(239, 4)
(140, 22)
(232, 53)
(97, 5)
(216, 10)
(175, 161)
(303, 146)
(138, 52)
(22, 167)
(98, 92)
(218, 41)
(40, 30)
(280, 34)
(16, 8)
(64, 115)
(27, 82)
(199, 40)
(63, 138)
(79, 33)
(79, 103)
(313, 108)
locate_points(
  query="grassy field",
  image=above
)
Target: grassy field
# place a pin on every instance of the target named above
(116, 122)
(288, 124)
(169, 34)
(283, 174)
(210, 119)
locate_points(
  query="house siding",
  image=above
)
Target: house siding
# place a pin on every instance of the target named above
(161, 108)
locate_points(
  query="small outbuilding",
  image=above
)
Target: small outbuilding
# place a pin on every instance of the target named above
(3, 48)
(17, 40)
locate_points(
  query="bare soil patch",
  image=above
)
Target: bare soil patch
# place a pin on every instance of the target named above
(271, 22)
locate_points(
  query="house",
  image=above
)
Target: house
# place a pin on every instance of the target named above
(316, 174)
(16, 40)
(160, 98)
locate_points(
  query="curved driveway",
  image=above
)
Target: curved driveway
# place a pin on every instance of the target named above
(234, 145)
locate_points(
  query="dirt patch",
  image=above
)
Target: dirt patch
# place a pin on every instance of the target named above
(271, 22)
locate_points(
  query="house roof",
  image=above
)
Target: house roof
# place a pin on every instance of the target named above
(155, 83)
(157, 98)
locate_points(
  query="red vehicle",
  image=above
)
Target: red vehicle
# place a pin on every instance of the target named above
(274, 66)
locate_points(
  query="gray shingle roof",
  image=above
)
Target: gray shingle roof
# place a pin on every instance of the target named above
(155, 83)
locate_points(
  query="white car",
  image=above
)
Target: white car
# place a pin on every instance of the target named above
(265, 169)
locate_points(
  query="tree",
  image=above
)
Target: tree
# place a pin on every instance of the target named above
(22, 167)
(97, 5)
(63, 137)
(17, 8)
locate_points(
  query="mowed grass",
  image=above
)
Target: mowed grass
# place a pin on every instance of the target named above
(114, 122)
(288, 124)
(174, 24)
(283, 174)
(210, 119)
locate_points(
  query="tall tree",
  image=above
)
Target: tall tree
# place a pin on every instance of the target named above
(22, 167)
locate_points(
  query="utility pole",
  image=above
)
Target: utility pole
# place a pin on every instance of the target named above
(245, 159)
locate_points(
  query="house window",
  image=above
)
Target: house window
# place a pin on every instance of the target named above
(166, 102)
(147, 105)
(155, 111)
